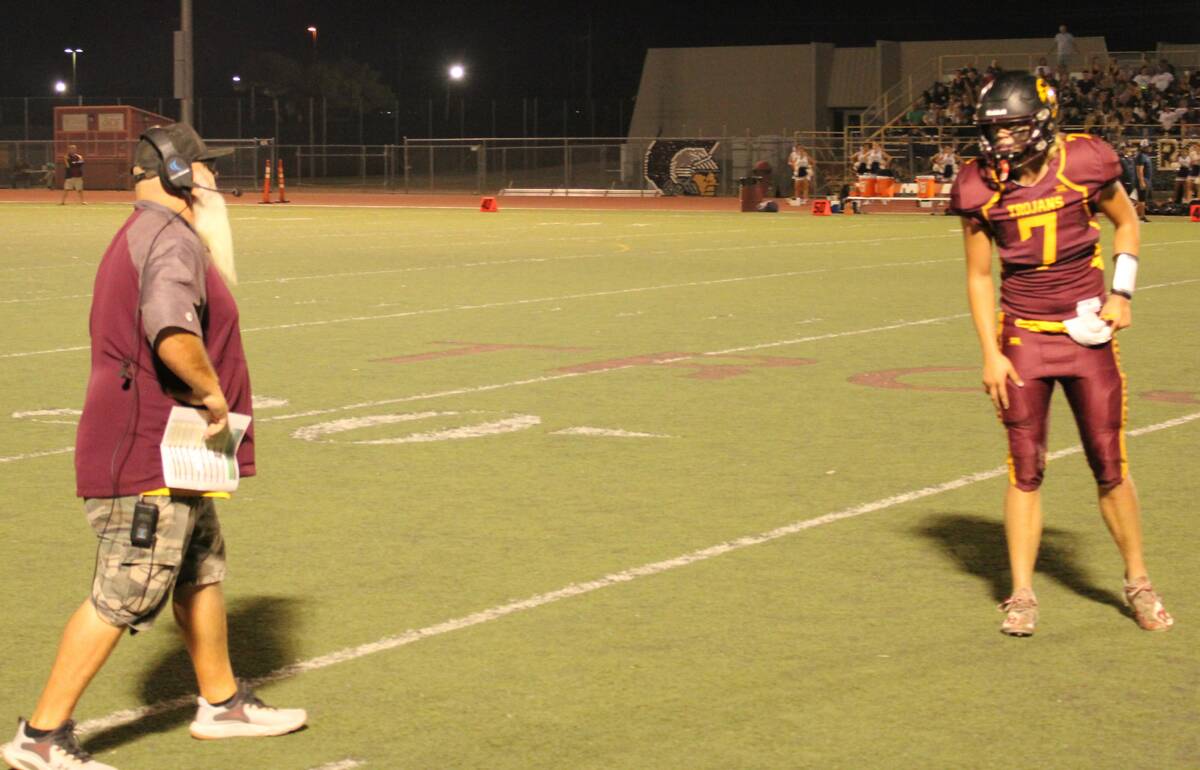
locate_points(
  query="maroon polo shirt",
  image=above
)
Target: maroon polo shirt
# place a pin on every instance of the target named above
(155, 275)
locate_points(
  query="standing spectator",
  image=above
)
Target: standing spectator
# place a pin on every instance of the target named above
(74, 177)
(1064, 46)
(1129, 173)
(1042, 70)
(1145, 177)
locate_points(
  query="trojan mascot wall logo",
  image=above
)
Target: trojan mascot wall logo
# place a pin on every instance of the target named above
(683, 167)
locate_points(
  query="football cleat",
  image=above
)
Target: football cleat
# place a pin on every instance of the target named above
(1147, 606)
(1021, 613)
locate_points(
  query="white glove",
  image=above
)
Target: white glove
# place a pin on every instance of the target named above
(1087, 328)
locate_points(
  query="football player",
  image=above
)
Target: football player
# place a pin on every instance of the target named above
(1034, 195)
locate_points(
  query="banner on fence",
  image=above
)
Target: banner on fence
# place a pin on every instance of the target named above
(683, 167)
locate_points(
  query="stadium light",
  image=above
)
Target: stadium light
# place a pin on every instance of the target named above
(313, 31)
(60, 87)
(237, 78)
(457, 72)
(74, 53)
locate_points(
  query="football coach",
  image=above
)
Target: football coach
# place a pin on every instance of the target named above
(164, 332)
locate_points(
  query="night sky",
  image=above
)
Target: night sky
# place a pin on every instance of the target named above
(510, 49)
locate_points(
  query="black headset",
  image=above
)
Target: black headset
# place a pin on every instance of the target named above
(174, 171)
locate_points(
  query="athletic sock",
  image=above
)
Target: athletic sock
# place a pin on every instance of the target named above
(35, 733)
(227, 702)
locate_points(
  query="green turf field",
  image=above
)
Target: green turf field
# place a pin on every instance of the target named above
(727, 370)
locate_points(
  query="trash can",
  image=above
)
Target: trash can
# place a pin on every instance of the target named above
(750, 192)
(763, 171)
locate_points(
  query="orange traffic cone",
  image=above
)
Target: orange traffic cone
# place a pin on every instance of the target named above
(282, 195)
(266, 198)
(488, 204)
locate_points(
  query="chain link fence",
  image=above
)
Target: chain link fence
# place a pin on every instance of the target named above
(318, 120)
(570, 166)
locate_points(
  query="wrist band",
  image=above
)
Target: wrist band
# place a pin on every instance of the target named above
(1125, 268)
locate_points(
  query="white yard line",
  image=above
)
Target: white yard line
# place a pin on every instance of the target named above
(833, 335)
(45, 299)
(571, 375)
(584, 295)
(520, 261)
(341, 764)
(32, 455)
(1169, 243)
(1169, 283)
(27, 353)
(534, 380)
(129, 716)
(56, 266)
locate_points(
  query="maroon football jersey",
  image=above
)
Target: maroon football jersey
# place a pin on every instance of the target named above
(1047, 233)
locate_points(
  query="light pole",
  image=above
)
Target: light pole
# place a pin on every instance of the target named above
(237, 81)
(313, 31)
(74, 53)
(455, 74)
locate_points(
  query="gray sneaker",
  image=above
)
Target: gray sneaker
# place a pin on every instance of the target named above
(244, 717)
(59, 750)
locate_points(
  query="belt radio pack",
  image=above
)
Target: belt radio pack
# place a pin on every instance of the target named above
(145, 524)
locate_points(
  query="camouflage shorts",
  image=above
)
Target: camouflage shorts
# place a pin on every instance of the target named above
(132, 584)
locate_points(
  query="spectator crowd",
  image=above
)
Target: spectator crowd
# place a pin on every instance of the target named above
(1112, 100)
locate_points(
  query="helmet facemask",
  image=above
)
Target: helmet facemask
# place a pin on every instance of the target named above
(1021, 133)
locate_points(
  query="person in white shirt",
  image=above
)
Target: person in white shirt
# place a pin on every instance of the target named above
(945, 164)
(1064, 45)
(859, 160)
(877, 159)
(1193, 162)
(802, 170)
(1163, 80)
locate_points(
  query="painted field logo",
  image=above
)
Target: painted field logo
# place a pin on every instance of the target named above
(683, 167)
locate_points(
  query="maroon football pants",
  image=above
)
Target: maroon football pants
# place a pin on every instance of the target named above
(1092, 380)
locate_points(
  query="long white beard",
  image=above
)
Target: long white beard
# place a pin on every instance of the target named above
(212, 225)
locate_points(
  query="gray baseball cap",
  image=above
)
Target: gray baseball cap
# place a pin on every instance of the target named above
(187, 143)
